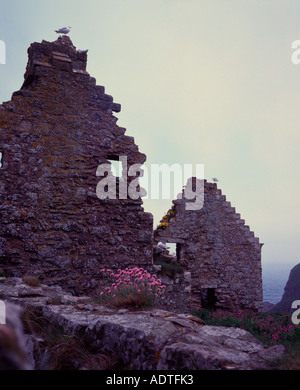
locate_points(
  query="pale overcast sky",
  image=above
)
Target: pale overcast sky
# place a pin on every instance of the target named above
(200, 82)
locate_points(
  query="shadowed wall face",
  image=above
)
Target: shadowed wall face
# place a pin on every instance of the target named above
(54, 133)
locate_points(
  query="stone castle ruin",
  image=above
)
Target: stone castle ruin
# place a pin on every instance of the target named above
(54, 133)
(220, 255)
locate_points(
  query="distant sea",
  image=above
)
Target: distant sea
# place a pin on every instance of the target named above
(275, 277)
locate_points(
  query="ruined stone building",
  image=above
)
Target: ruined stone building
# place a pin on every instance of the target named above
(54, 133)
(221, 257)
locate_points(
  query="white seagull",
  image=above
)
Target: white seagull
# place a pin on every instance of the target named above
(82, 51)
(64, 30)
(162, 246)
(215, 180)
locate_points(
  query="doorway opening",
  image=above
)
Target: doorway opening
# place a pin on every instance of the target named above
(208, 298)
(172, 249)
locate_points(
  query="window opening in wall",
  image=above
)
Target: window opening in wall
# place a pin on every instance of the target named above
(172, 249)
(1, 162)
(166, 257)
(116, 166)
(208, 298)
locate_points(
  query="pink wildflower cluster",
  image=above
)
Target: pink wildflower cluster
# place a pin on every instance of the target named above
(272, 328)
(135, 279)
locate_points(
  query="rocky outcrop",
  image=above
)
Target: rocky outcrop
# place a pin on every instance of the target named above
(291, 291)
(13, 353)
(144, 340)
(267, 306)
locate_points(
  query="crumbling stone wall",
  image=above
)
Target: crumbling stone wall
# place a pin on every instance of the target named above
(221, 253)
(54, 133)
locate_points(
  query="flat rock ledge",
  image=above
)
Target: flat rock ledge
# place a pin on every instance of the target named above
(144, 340)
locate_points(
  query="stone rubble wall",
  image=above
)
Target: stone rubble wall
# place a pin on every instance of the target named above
(54, 133)
(218, 250)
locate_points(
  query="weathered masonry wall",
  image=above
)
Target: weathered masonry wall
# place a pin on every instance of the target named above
(54, 133)
(217, 251)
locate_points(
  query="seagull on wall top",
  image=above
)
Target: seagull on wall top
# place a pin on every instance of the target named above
(64, 30)
(161, 245)
(215, 180)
